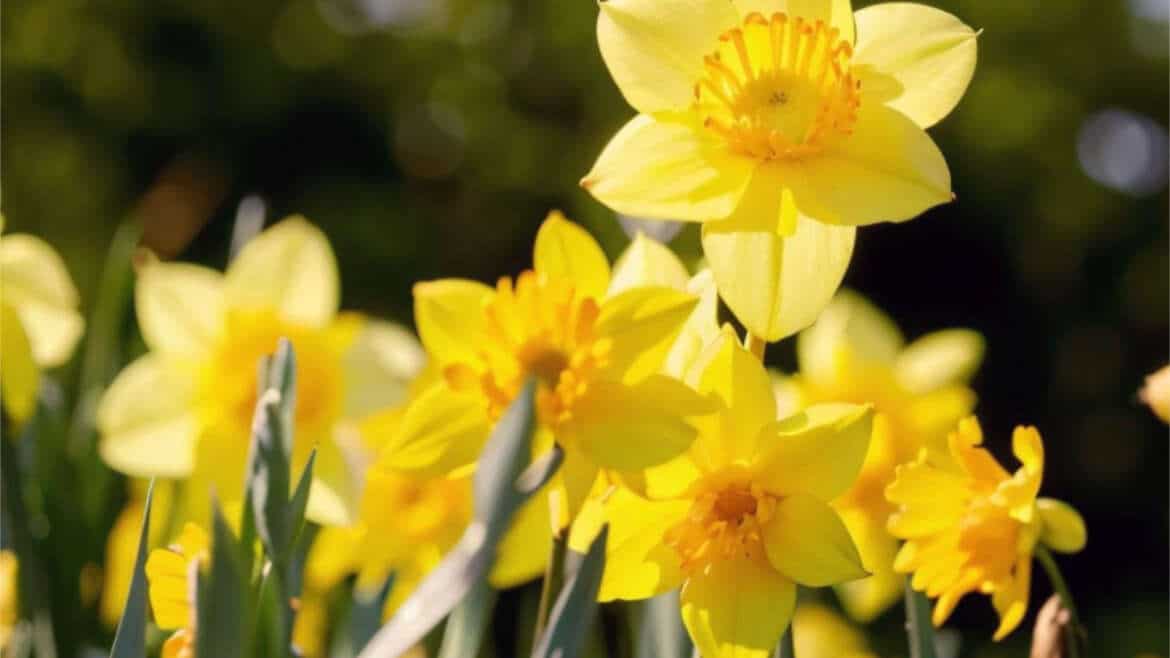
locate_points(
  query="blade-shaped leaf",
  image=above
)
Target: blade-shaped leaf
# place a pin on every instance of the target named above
(662, 634)
(499, 491)
(300, 498)
(365, 613)
(130, 639)
(268, 480)
(465, 626)
(918, 627)
(221, 598)
(572, 616)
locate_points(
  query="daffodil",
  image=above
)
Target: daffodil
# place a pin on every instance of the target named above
(169, 575)
(818, 632)
(1156, 393)
(9, 598)
(782, 128)
(39, 320)
(970, 526)
(184, 410)
(595, 355)
(741, 517)
(855, 353)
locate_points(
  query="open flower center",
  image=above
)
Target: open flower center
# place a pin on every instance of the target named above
(993, 541)
(779, 87)
(539, 327)
(408, 511)
(724, 523)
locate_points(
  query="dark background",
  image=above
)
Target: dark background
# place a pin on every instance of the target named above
(430, 138)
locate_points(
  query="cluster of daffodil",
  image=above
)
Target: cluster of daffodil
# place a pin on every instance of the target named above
(781, 126)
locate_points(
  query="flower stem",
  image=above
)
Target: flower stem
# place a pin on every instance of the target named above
(554, 577)
(1074, 633)
(755, 345)
(786, 648)
(918, 626)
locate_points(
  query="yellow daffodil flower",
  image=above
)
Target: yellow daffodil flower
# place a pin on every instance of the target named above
(1156, 393)
(970, 526)
(9, 598)
(855, 353)
(741, 517)
(595, 355)
(818, 632)
(39, 321)
(184, 410)
(169, 572)
(780, 129)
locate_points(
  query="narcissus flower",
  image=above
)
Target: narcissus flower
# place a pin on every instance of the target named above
(741, 517)
(782, 130)
(818, 632)
(184, 410)
(970, 526)
(9, 598)
(39, 320)
(169, 575)
(595, 355)
(855, 353)
(1156, 393)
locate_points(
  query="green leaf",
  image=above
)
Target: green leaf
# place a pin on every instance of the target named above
(275, 521)
(661, 633)
(918, 627)
(466, 625)
(222, 596)
(572, 616)
(501, 487)
(300, 498)
(365, 613)
(130, 639)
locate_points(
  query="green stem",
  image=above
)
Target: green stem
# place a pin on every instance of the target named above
(919, 630)
(786, 648)
(1073, 631)
(554, 579)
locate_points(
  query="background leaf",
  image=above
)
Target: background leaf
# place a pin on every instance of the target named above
(572, 616)
(222, 596)
(130, 640)
(465, 627)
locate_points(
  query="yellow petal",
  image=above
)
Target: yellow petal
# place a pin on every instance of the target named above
(837, 13)
(729, 372)
(775, 268)
(647, 262)
(867, 598)
(807, 542)
(20, 379)
(442, 430)
(1012, 602)
(333, 493)
(931, 499)
(38, 287)
(1156, 393)
(850, 329)
(147, 422)
(449, 316)
(166, 575)
(888, 170)
(641, 325)
(654, 50)
(379, 367)
(700, 328)
(667, 170)
(288, 267)
(564, 250)
(1061, 527)
(737, 608)
(914, 58)
(1019, 493)
(818, 632)
(180, 307)
(630, 427)
(524, 551)
(939, 358)
(638, 564)
(818, 451)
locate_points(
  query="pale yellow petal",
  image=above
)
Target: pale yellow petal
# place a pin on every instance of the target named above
(638, 563)
(640, 325)
(775, 268)
(442, 430)
(334, 491)
(37, 285)
(818, 451)
(147, 421)
(564, 250)
(1061, 527)
(524, 551)
(654, 48)
(914, 58)
(20, 379)
(379, 367)
(837, 13)
(1156, 393)
(289, 268)
(180, 307)
(668, 170)
(938, 359)
(888, 170)
(700, 328)
(867, 598)
(806, 541)
(737, 608)
(818, 632)
(850, 330)
(647, 262)
(449, 316)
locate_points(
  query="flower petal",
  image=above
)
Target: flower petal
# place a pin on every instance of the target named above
(837, 13)
(867, 598)
(448, 315)
(166, 573)
(38, 287)
(914, 58)
(806, 541)
(334, 490)
(442, 430)
(379, 367)
(147, 423)
(737, 608)
(641, 325)
(180, 307)
(654, 48)
(20, 379)
(564, 250)
(524, 551)
(1012, 602)
(631, 427)
(775, 268)
(1019, 493)
(647, 262)
(938, 359)
(931, 499)
(818, 451)
(888, 170)
(700, 328)
(288, 267)
(667, 170)
(1061, 527)
(849, 329)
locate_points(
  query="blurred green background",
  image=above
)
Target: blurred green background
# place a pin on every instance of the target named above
(429, 138)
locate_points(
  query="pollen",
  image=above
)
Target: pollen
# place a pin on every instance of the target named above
(725, 522)
(779, 88)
